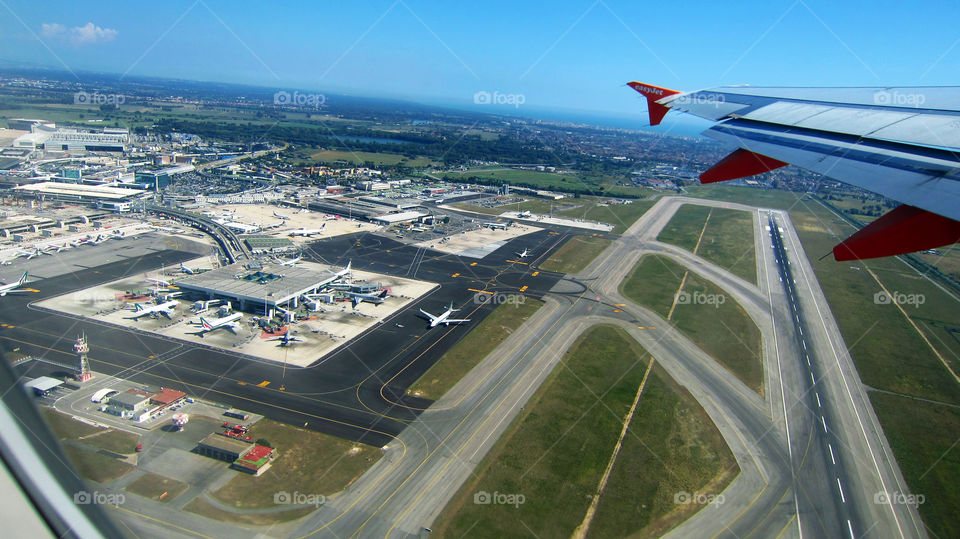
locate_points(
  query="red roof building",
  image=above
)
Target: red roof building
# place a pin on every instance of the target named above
(167, 396)
(257, 460)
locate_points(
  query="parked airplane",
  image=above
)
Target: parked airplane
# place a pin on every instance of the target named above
(188, 271)
(32, 253)
(336, 275)
(156, 281)
(286, 339)
(230, 322)
(289, 263)
(444, 318)
(307, 232)
(357, 298)
(11, 288)
(166, 309)
(280, 216)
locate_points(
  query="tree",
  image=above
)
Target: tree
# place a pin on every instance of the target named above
(264, 441)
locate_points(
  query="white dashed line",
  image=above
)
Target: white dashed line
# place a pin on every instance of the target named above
(832, 458)
(818, 399)
(824, 421)
(839, 486)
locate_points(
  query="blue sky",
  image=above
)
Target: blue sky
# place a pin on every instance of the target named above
(558, 55)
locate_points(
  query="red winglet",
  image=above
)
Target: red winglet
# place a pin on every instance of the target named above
(740, 164)
(653, 94)
(904, 229)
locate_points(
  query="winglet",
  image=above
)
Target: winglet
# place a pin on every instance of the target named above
(653, 94)
(905, 229)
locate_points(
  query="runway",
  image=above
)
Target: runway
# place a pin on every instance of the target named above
(783, 488)
(811, 454)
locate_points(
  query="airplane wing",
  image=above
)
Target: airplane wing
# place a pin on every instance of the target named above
(428, 315)
(902, 143)
(449, 321)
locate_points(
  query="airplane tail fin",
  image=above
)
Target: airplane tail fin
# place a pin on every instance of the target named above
(653, 94)
(23, 278)
(204, 323)
(137, 307)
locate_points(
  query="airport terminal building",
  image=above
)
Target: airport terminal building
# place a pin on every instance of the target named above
(255, 289)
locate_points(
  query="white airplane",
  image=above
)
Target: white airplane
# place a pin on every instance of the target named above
(307, 232)
(188, 271)
(118, 235)
(280, 216)
(35, 252)
(156, 281)
(59, 248)
(336, 275)
(166, 309)
(444, 318)
(524, 254)
(229, 322)
(289, 263)
(11, 288)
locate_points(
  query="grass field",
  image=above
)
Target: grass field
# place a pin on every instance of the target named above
(203, 508)
(116, 441)
(722, 329)
(359, 158)
(685, 226)
(555, 453)
(596, 184)
(889, 353)
(575, 254)
(671, 447)
(65, 427)
(727, 241)
(533, 205)
(308, 462)
(95, 466)
(466, 354)
(621, 216)
(156, 487)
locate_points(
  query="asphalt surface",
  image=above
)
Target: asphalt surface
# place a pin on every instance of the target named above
(357, 392)
(792, 448)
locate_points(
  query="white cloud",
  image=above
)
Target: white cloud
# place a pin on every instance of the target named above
(79, 35)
